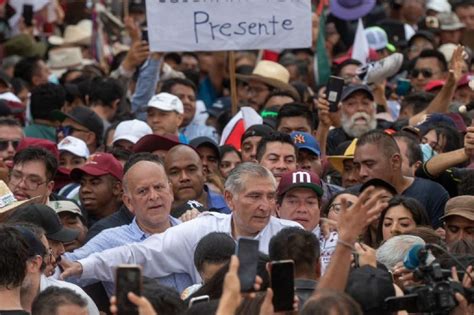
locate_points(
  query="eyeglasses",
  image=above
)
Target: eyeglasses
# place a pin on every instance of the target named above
(4, 144)
(336, 207)
(68, 130)
(31, 182)
(427, 73)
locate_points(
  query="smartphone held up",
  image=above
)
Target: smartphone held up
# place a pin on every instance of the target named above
(129, 279)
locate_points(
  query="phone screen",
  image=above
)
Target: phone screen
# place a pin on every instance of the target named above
(247, 251)
(283, 286)
(28, 14)
(129, 279)
(333, 92)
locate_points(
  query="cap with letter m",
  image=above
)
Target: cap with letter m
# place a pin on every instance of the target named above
(300, 179)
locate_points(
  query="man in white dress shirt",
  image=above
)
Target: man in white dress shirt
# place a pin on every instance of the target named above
(250, 192)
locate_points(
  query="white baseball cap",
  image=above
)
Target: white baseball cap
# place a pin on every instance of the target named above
(166, 102)
(75, 146)
(131, 130)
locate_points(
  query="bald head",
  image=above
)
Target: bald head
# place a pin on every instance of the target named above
(141, 170)
(179, 151)
(184, 168)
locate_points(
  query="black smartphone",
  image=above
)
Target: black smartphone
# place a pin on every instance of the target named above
(28, 14)
(247, 252)
(129, 279)
(407, 303)
(282, 275)
(145, 33)
(333, 92)
(199, 299)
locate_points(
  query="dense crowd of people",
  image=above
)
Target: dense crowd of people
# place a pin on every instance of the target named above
(112, 154)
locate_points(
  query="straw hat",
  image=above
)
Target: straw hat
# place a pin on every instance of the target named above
(7, 199)
(337, 160)
(272, 74)
(62, 59)
(79, 34)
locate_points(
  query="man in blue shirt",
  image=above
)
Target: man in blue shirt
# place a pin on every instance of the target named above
(147, 193)
(185, 172)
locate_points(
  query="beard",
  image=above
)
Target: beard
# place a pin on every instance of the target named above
(356, 129)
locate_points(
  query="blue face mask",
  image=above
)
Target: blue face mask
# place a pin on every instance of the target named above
(53, 79)
(428, 152)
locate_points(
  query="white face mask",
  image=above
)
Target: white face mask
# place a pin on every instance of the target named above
(53, 79)
(428, 152)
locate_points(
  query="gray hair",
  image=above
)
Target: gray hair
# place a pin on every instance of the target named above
(237, 177)
(396, 248)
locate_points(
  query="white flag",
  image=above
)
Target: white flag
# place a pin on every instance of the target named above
(360, 49)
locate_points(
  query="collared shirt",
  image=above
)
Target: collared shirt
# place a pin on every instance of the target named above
(173, 250)
(327, 247)
(216, 202)
(121, 217)
(47, 282)
(194, 130)
(122, 235)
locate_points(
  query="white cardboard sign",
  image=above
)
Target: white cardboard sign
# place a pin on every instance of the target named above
(210, 25)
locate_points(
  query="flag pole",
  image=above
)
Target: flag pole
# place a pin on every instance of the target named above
(125, 8)
(233, 82)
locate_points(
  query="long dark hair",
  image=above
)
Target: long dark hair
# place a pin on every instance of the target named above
(416, 209)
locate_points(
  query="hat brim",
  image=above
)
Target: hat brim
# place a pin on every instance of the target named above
(304, 147)
(349, 14)
(455, 27)
(272, 82)
(77, 173)
(129, 138)
(17, 204)
(337, 161)
(314, 187)
(64, 235)
(147, 144)
(460, 213)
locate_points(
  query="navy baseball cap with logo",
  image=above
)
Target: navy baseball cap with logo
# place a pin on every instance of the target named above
(300, 179)
(304, 140)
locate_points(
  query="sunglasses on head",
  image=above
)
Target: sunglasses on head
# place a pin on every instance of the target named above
(5, 143)
(427, 73)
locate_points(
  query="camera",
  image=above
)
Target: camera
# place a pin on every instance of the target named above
(435, 295)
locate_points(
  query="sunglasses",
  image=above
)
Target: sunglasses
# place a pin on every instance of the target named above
(68, 130)
(5, 143)
(427, 73)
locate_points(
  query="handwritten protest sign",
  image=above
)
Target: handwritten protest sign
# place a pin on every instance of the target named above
(206, 25)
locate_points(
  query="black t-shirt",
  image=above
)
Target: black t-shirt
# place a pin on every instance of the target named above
(449, 179)
(14, 312)
(430, 194)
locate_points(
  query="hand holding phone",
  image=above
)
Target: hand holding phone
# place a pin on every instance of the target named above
(247, 252)
(334, 92)
(282, 275)
(129, 279)
(28, 14)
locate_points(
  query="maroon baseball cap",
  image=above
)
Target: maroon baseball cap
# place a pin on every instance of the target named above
(151, 143)
(300, 178)
(37, 142)
(99, 164)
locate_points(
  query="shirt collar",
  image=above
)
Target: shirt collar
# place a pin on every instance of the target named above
(143, 235)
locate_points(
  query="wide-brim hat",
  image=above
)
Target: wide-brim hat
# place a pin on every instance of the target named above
(272, 74)
(349, 10)
(8, 201)
(337, 161)
(79, 34)
(63, 59)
